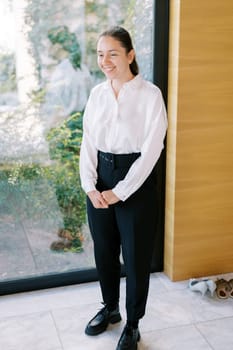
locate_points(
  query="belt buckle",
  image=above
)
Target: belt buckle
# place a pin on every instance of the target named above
(112, 161)
(109, 159)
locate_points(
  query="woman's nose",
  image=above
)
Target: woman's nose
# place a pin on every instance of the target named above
(105, 59)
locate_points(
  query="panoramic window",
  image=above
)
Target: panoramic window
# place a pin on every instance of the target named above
(47, 68)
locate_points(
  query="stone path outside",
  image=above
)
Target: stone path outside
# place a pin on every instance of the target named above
(25, 245)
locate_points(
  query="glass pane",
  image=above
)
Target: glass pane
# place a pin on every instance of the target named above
(47, 68)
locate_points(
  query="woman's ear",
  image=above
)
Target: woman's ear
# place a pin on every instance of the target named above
(131, 56)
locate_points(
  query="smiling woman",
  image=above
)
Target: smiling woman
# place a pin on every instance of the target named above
(119, 178)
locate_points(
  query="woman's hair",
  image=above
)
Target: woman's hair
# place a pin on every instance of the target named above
(121, 35)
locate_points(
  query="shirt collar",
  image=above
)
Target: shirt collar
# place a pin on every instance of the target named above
(131, 84)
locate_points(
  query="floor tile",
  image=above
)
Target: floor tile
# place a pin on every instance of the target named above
(31, 332)
(183, 307)
(180, 338)
(71, 322)
(156, 285)
(36, 301)
(219, 333)
(168, 284)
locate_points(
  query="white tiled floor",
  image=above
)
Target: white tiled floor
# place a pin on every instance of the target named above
(176, 319)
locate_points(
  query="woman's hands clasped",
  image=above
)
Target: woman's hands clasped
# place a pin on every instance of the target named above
(102, 199)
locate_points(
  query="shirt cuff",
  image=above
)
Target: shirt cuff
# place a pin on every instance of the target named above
(88, 187)
(119, 194)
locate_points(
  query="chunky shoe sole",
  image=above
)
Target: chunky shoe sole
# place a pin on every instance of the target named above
(129, 341)
(113, 319)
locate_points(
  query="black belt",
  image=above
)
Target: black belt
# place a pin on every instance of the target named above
(118, 160)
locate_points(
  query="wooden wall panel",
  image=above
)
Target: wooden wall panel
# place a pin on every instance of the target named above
(199, 187)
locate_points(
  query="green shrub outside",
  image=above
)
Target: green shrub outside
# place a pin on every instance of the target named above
(27, 190)
(65, 144)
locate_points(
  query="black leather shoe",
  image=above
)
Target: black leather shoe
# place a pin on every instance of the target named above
(129, 339)
(99, 323)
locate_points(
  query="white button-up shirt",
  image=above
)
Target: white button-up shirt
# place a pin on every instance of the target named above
(135, 121)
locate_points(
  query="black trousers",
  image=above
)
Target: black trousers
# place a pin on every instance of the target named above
(130, 225)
